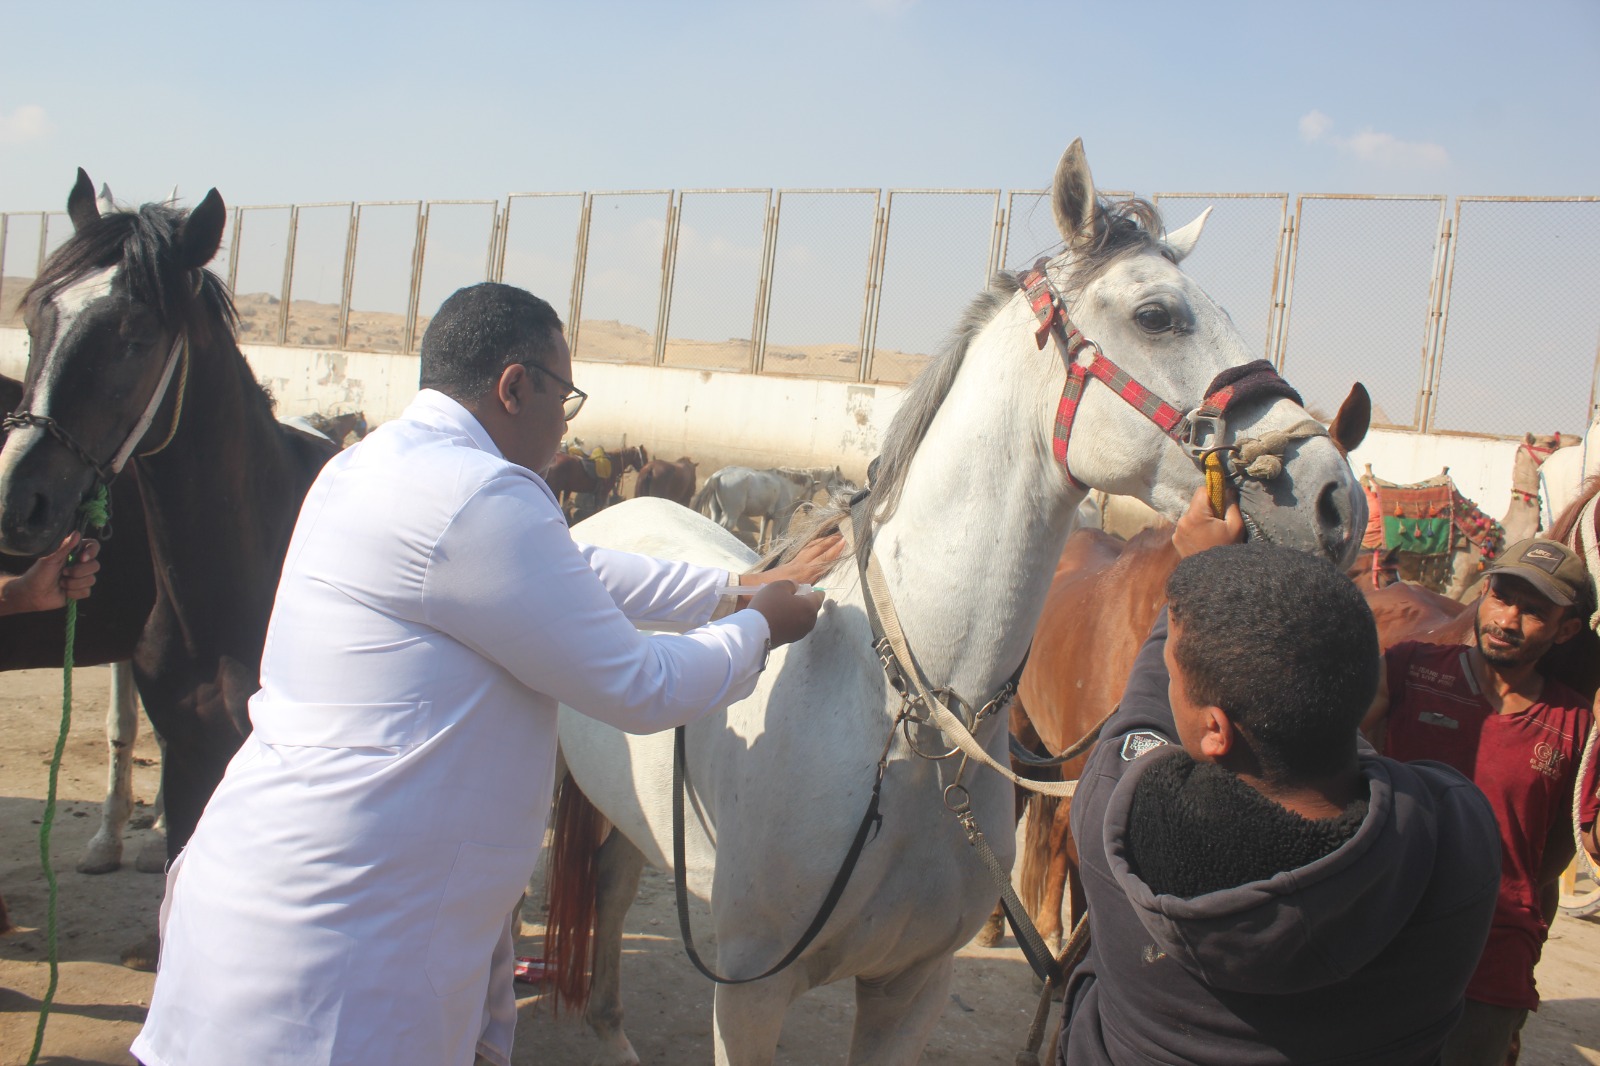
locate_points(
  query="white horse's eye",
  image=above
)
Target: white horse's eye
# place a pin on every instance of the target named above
(1153, 318)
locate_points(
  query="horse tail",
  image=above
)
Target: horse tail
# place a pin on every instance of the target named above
(707, 491)
(641, 484)
(573, 889)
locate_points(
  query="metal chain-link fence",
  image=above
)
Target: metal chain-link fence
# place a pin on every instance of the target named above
(621, 274)
(381, 270)
(1362, 292)
(937, 249)
(1521, 319)
(1486, 322)
(715, 269)
(819, 266)
(540, 240)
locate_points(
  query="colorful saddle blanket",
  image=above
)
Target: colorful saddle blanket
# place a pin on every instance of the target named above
(1416, 518)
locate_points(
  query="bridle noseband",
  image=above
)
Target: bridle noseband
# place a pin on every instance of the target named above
(1201, 432)
(105, 473)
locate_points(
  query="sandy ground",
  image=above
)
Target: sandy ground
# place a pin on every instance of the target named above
(99, 1004)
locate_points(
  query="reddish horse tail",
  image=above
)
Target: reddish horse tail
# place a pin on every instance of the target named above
(568, 934)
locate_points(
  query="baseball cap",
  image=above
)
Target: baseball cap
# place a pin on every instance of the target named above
(1549, 566)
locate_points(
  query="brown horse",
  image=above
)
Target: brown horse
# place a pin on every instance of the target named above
(570, 476)
(669, 481)
(337, 427)
(134, 357)
(1101, 605)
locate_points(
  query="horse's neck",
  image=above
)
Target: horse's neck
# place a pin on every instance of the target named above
(220, 497)
(981, 521)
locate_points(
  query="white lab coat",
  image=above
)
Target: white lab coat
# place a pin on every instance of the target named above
(346, 897)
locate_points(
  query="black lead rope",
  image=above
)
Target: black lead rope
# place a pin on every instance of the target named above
(870, 822)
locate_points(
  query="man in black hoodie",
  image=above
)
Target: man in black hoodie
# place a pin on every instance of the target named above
(1261, 891)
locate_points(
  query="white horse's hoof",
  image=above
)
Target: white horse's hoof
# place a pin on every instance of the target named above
(153, 856)
(102, 856)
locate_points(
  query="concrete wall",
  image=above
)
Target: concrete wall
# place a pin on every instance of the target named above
(720, 418)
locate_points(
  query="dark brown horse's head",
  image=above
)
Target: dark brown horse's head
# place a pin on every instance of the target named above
(105, 319)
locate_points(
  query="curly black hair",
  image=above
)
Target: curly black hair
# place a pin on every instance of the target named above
(1285, 644)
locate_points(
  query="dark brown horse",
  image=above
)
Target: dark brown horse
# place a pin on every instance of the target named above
(134, 363)
(669, 481)
(570, 477)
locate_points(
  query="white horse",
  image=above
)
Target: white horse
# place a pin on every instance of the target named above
(972, 511)
(770, 496)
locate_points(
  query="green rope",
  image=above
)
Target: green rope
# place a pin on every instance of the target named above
(96, 513)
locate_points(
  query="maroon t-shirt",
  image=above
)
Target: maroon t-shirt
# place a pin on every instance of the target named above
(1525, 763)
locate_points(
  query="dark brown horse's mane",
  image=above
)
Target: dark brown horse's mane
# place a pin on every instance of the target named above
(144, 242)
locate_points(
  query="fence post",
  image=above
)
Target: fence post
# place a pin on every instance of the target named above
(288, 275)
(343, 329)
(414, 295)
(869, 310)
(669, 263)
(1450, 236)
(233, 252)
(1292, 237)
(580, 263)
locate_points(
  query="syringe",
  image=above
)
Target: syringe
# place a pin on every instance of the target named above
(751, 590)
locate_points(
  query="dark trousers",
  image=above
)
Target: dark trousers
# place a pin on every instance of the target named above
(1486, 1036)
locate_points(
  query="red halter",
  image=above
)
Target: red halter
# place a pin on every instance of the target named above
(1200, 431)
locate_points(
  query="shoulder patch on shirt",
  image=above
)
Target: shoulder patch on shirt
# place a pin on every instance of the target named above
(1136, 744)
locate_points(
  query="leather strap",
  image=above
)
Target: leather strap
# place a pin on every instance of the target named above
(905, 674)
(870, 822)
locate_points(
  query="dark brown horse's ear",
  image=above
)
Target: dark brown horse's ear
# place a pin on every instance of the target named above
(201, 235)
(81, 207)
(1350, 425)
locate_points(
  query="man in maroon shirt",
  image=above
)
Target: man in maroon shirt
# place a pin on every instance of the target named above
(1486, 710)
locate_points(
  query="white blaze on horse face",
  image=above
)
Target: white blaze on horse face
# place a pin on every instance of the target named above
(70, 305)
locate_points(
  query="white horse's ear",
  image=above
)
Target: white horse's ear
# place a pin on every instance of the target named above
(174, 197)
(107, 202)
(1182, 241)
(1072, 195)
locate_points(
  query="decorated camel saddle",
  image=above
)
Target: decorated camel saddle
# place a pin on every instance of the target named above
(1419, 527)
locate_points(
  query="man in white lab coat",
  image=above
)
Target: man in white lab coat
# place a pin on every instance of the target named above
(347, 896)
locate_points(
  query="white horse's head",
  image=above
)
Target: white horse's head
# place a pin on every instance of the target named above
(1124, 290)
(1139, 331)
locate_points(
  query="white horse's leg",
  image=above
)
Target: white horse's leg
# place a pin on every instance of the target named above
(153, 856)
(747, 1019)
(104, 851)
(618, 865)
(895, 1016)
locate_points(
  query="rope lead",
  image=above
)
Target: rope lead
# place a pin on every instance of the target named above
(94, 512)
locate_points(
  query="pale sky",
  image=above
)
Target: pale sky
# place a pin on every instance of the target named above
(302, 102)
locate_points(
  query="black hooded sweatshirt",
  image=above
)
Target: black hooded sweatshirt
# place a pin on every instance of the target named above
(1360, 956)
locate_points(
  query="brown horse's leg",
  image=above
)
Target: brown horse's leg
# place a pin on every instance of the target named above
(1055, 882)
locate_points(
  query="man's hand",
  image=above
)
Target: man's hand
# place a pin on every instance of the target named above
(1197, 530)
(51, 581)
(809, 563)
(789, 617)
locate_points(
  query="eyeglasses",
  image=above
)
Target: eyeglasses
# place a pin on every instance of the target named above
(572, 401)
